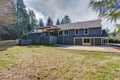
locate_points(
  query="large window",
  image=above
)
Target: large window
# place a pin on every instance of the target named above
(76, 32)
(51, 33)
(60, 33)
(87, 40)
(66, 32)
(86, 31)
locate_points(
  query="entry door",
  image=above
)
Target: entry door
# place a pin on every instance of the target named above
(87, 41)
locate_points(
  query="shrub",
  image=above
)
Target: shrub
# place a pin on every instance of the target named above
(114, 41)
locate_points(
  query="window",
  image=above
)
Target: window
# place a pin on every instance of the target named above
(60, 33)
(87, 40)
(86, 31)
(66, 33)
(51, 33)
(76, 32)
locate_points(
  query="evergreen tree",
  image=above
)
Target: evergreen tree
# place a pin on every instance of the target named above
(58, 22)
(22, 17)
(32, 20)
(63, 21)
(49, 22)
(66, 20)
(41, 23)
(109, 9)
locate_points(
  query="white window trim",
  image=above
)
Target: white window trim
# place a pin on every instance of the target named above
(78, 31)
(65, 34)
(86, 43)
(88, 31)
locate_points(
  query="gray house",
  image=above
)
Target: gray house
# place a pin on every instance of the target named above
(80, 33)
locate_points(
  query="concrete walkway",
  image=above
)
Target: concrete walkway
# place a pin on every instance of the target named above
(91, 48)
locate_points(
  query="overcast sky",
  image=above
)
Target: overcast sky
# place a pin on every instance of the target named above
(78, 10)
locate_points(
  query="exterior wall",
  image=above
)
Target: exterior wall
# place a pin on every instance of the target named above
(95, 31)
(60, 40)
(92, 32)
(25, 42)
(44, 38)
(98, 41)
(39, 38)
(94, 41)
(69, 40)
(78, 41)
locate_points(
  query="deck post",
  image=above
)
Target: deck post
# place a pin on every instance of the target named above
(94, 41)
(101, 41)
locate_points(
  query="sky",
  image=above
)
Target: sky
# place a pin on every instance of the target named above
(78, 10)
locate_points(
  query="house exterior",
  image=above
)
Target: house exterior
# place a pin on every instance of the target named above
(80, 33)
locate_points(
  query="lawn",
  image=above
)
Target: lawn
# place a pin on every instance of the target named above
(52, 63)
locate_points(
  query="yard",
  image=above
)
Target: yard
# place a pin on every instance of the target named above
(52, 63)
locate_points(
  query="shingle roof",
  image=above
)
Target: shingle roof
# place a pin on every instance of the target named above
(84, 24)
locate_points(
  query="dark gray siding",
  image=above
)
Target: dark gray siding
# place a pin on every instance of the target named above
(92, 32)
(43, 38)
(60, 40)
(92, 41)
(39, 38)
(69, 40)
(95, 31)
(32, 36)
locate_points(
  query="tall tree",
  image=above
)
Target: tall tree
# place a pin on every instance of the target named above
(49, 22)
(63, 21)
(109, 9)
(66, 20)
(107, 30)
(32, 20)
(58, 22)
(22, 18)
(118, 28)
(41, 23)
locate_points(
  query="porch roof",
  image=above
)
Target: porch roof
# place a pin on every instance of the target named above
(43, 29)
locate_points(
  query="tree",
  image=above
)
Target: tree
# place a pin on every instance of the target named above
(66, 20)
(63, 21)
(118, 28)
(41, 23)
(22, 18)
(49, 22)
(109, 9)
(32, 20)
(58, 22)
(107, 30)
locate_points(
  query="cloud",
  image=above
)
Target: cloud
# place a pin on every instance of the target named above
(78, 10)
(58, 8)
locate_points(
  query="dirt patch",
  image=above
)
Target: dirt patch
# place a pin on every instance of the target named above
(118, 48)
(92, 48)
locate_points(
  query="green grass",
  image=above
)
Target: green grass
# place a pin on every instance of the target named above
(51, 63)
